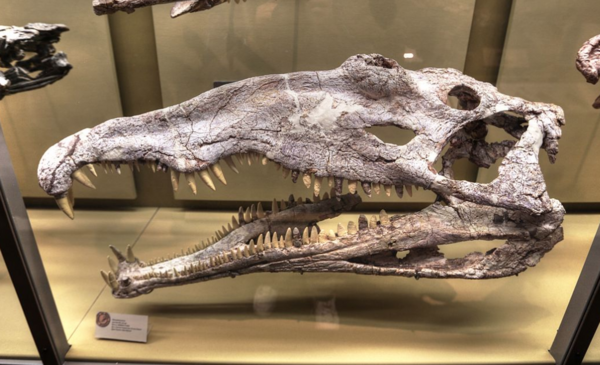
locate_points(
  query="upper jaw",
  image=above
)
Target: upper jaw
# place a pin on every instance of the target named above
(315, 123)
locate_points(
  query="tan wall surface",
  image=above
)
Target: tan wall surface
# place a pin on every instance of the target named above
(232, 42)
(539, 65)
(35, 120)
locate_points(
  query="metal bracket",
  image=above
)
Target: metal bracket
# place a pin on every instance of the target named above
(25, 267)
(582, 317)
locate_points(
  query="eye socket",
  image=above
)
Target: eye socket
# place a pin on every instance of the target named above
(466, 98)
(125, 282)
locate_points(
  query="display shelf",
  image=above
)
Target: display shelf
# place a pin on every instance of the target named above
(311, 318)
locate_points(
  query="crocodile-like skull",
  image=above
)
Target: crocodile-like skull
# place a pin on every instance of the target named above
(17, 69)
(314, 125)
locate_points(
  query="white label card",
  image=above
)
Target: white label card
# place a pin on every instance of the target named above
(123, 327)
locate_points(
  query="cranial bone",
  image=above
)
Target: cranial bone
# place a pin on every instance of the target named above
(102, 7)
(588, 63)
(16, 69)
(314, 124)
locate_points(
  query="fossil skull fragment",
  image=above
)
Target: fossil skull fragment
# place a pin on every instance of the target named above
(102, 7)
(588, 63)
(16, 69)
(314, 124)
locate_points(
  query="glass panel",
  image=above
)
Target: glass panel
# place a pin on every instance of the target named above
(539, 65)
(268, 36)
(35, 120)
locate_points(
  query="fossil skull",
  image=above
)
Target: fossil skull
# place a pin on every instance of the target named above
(313, 124)
(16, 69)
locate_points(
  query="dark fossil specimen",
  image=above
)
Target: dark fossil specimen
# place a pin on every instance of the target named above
(28, 59)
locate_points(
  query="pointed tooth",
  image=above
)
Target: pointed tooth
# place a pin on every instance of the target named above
(118, 168)
(285, 172)
(282, 242)
(92, 169)
(231, 164)
(105, 277)
(152, 166)
(234, 223)
(307, 179)
(104, 166)
(376, 188)
(71, 198)
(399, 190)
(63, 204)
(218, 171)
(352, 184)
(175, 179)
(296, 237)
(248, 215)
(253, 213)
(325, 196)
(117, 253)
(137, 165)
(246, 252)
(331, 235)
(288, 238)
(373, 222)
(113, 281)
(339, 183)
(352, 228)
(384, 219)
(305, 237)
(363, 223)
(322, 236)
(282, 205)
(224, 230)
(260, 246)
(388, 190)
(275, 240)
(295, 175)
(366, 186)
(408, 188)
(265, 161)
(299, 201)
(207, 179)
(268, 241)
(314, 235)
(81, 177)
(241, 216)
(130, 255)
(240, 158)
(331, 181)
(274, 207)
(341, 230)
(112, 264)
(249, 159)
(260, 213)
(191, 180)
(317, 185)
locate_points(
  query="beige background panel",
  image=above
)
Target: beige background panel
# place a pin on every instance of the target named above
(75, 251)
(539, 65)
(15, 337)
(234, 42)
(342, 318)
(35, 120)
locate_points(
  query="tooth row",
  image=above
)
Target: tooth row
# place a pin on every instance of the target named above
(292, 238)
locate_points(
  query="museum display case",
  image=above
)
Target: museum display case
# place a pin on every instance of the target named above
(294, 297)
